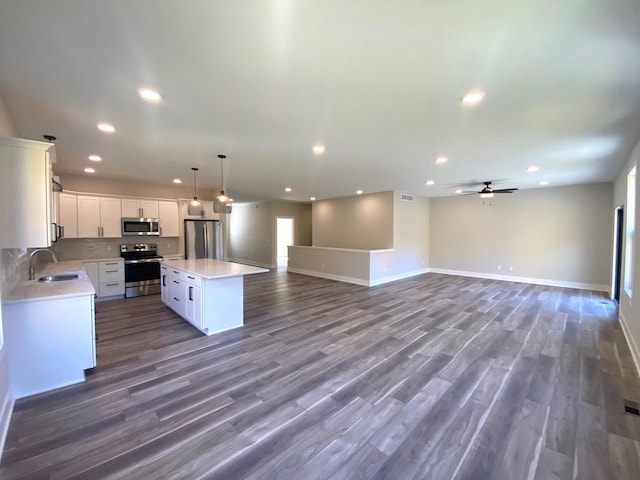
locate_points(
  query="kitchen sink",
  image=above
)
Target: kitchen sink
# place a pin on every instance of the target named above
(58, 278)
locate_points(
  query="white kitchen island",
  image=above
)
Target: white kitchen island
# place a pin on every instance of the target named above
(207, 293)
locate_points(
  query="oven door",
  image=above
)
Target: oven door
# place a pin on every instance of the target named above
(141, 277)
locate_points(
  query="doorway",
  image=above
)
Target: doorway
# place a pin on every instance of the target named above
(284, 238)
(618, 235)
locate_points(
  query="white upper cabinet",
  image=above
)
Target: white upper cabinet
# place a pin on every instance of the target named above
(169, 222)
(99, 217)
(136, 208)
(25, 193)
(68, 215)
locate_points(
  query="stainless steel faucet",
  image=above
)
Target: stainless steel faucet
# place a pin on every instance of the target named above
(32, 273)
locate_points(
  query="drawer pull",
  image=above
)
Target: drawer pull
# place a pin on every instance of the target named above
(111, 284)
(176, 299)
(177, 273)
(111, 271)
(192, 278)
(175, 281)
(111, 263)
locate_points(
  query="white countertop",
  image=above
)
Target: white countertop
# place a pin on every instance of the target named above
(210, 269)
(98, 260)
(33, 290)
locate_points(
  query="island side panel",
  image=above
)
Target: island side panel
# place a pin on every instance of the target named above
(222, 304)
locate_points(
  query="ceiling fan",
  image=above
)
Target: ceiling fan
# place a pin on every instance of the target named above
(487, 191)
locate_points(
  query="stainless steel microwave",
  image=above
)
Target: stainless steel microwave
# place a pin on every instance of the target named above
(140, 226)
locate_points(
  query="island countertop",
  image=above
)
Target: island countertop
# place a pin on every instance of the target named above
(210, 269)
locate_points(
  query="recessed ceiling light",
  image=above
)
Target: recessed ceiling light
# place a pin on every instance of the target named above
(430, 182)
(149, 95)
(312, 198)
(95, 158)
(106, 127)
(288, 189)
(177, 180)
(89, 170)
(441, 160)
(359, 192)
(544, 182)
(318, 149)
(472, 97)
(533, 168)
(458, 191)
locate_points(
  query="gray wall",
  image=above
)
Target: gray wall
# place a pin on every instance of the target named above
(563, 234)
(361, 222)
(630, 311)
(252, 237)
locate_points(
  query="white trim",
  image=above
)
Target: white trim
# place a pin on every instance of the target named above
(400, 276)
(6, 410)
(330, 276)
(349, 250)
(633, 346)
(251, 262)
(535, 281)
(358, 281)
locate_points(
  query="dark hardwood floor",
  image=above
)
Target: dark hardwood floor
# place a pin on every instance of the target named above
(433, 377)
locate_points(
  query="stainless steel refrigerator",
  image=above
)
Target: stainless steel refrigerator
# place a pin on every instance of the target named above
(203, 239)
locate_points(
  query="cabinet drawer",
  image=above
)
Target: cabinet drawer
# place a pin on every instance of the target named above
(191, 279)
(111, 288)
(111, 275)
(111, 265)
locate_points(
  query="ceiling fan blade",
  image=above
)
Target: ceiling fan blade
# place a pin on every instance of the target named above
(505, 190)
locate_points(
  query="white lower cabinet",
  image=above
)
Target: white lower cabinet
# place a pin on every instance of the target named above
(107, 277)
(49, 343)
(210, 304)
(182, 293)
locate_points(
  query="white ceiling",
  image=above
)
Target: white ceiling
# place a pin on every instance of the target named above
(378, 82)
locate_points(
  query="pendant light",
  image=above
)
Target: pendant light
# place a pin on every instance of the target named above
(222, 197)
(195, 206)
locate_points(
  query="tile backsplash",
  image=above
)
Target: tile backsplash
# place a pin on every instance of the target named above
(90, 248)
(12, 266)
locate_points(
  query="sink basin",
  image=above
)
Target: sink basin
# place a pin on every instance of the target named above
(58, 278)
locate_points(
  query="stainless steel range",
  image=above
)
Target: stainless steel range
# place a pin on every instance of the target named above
(141, 269)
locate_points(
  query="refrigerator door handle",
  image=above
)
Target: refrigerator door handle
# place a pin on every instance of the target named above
(206, 240)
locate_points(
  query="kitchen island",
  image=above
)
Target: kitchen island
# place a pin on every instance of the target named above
(205, 292)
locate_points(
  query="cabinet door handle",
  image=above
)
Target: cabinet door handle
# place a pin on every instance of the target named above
(177, 273)
(191, 293)
(176, 299)
(160, 231)
(111, 284)
(164, 280)
(61, 234)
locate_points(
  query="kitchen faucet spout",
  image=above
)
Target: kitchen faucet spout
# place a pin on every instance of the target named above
(32, 273)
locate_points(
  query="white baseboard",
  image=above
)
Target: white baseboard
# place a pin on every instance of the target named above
(633, 346)
(6, 410)
(393, 278)
(330, 276)
(251, 262)
(358, 281)
(535, 281)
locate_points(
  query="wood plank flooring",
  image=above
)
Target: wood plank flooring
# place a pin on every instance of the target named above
(434, 377)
